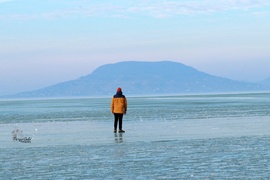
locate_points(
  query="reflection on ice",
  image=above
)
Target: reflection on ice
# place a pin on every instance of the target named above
(118, 137)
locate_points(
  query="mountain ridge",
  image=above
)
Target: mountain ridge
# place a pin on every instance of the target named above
(137, 77)
(265, 81)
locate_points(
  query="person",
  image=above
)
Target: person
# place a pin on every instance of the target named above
(118, 108)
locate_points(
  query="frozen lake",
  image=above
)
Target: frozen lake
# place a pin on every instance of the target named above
(216, 136)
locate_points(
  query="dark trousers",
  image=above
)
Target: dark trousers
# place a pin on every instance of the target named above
(118, 117)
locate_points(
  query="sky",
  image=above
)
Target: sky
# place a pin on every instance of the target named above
(47, 42)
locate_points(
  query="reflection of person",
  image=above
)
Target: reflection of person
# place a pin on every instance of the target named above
(118, 108)
(118, 138)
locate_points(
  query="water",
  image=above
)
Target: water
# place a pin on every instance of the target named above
(215, 136)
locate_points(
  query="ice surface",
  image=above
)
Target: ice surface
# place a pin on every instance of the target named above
(175, 137)
(101, 132)
(215, 149)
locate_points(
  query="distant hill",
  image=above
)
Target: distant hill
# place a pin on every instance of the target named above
(265, 81)
(143, 78)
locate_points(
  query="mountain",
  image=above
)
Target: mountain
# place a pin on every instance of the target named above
(164, 77)
(265, 81)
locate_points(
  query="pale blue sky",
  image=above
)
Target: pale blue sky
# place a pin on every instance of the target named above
(47, 42)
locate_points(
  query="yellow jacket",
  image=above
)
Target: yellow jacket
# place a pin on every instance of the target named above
(119, 104)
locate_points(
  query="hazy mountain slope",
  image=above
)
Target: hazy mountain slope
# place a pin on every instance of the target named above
(163, 77)
(265, 81)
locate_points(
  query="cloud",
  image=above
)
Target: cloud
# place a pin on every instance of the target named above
(167, 8)
(261, 14)
(3, 1)
(176, 8)
(151, 8)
